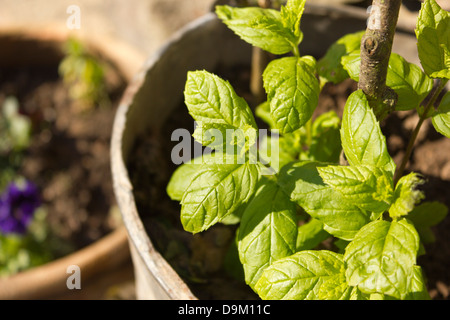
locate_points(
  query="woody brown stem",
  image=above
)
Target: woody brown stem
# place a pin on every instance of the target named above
(376, 47)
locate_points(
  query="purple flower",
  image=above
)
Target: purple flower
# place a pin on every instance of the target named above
(17, 206)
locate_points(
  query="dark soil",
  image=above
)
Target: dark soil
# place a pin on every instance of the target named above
(199, 259)
(69, 153)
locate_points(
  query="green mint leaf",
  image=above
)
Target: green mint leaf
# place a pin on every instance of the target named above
(417, 288)
(425, 216)
(326, 140)
(214, 104)
(362, 139)
(433, 39)
(182, 176)
(330, 66)
(263, 112)
(369, 188)
(180, 180)
(301, 180)
(291, 15)
(380, 296)
(351, 63)
(441, 119)
(226, 138)
(293, 91)
(335, 288)
(215, 192)
(292, 143)
(260, 27)
(406, 196)
(268, 230)
(276, 151)
(306, 275)
(382, 257)
(356, 294)
(410, 83)
(310, 235)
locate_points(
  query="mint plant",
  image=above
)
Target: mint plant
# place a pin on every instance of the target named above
(291, 196)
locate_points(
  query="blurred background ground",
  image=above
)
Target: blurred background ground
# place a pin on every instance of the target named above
(144, 25)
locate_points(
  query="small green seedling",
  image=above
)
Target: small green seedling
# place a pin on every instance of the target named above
(84, 75)
(379, 222)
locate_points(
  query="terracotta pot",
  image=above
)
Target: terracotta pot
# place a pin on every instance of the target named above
(44, 47)
(158, 89)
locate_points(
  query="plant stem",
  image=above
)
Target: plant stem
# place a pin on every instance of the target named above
(376, 47)
(260, 60)
(415, 133)
(295, 50)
